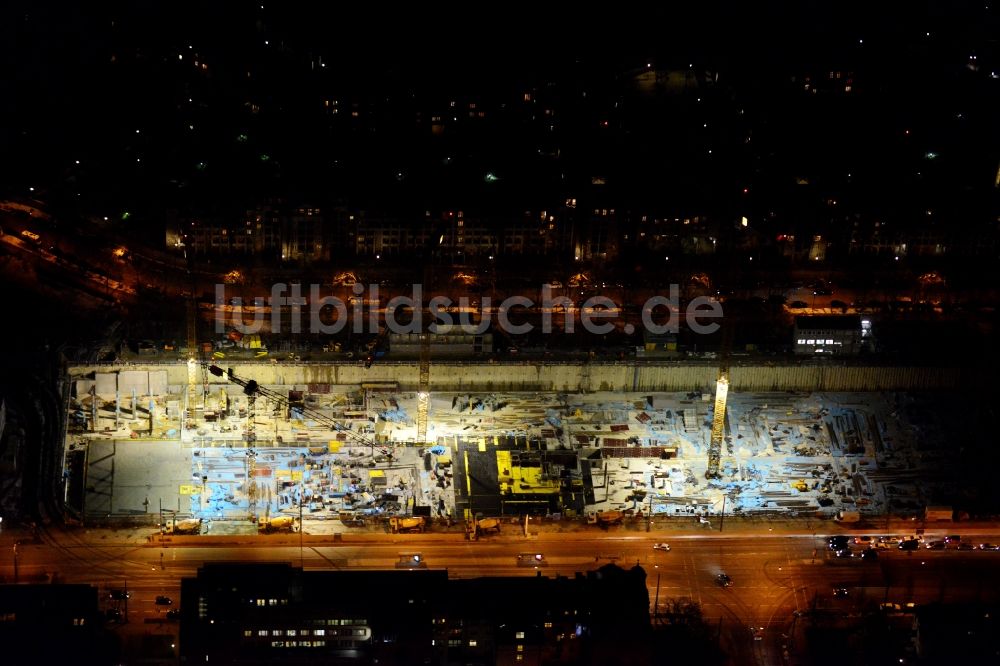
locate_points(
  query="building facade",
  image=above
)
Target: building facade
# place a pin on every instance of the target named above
(830, 335)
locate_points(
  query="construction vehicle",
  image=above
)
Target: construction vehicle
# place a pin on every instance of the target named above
(848, 517)
(478, 526)
(351, 519)
(407, 524)
(938, 513)
(277, 524)
(605, 518)
(800, 486)
(482, 525)
(188, 526)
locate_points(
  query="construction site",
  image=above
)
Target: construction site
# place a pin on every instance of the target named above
(197, 447)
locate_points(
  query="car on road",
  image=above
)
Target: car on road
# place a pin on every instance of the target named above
(661, 546)
(840, 592)
(723, 580)
(863, 540)
(757, 633)
(954, 538)
(119, 595)
(891, 540)
(966, 546)
(531, 560)
(163, 601)
(838, 542)
(936, 545)
(798, 304)
(909, 544)
(411, 561)
(113, 615)
(174, 614)
(843, 552)
(869, 554)
(988, 546)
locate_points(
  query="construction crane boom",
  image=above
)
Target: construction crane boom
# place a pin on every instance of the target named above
(252, 388)
(424, 392)
(719, 414)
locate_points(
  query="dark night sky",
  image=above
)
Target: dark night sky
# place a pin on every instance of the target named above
(64, 97)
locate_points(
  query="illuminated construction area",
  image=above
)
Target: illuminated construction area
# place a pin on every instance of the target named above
(345, 456)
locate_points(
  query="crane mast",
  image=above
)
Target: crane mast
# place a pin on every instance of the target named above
(424, 393)
(719, 413)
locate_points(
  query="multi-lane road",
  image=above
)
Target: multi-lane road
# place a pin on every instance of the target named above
(774, 576)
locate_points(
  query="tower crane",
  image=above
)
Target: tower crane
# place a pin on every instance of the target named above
(252, 389)
(721, 394)
(424, 392)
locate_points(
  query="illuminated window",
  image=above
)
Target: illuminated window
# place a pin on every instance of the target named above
(829, 342)
(519, 657)
(473, 643)
(520, 648)
(548, 625)
(262, 632)
(810, 342)
(320, 632)
(519, 634)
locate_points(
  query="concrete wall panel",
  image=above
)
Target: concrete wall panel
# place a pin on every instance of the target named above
(529, 376)
(135, 379)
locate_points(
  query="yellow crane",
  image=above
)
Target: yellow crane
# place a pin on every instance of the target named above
(719, 415)
(424, 393)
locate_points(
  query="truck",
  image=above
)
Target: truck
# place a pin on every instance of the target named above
(407, 524)
(188, 526)
(276, 524)
(606, 518)
(848, 516)
(483, 525)
(932, 513)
